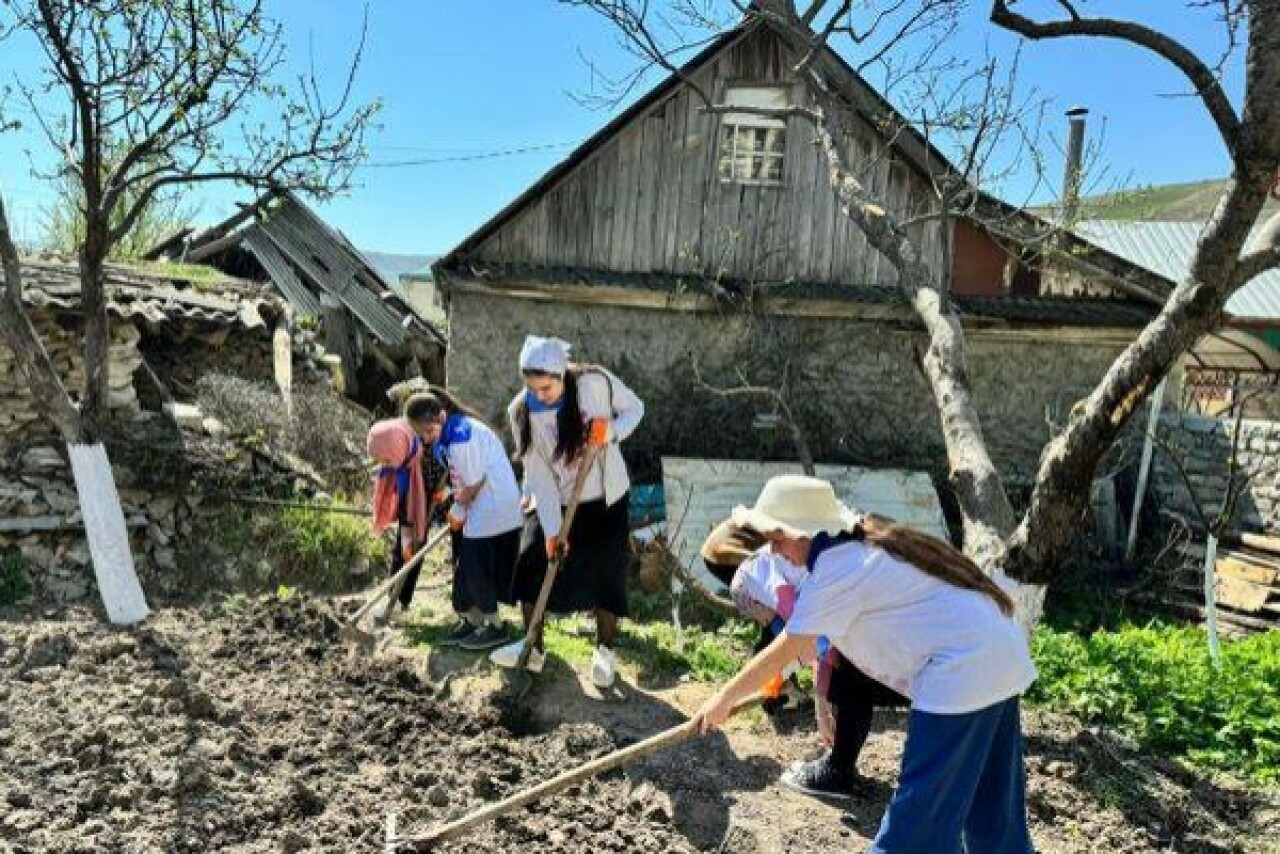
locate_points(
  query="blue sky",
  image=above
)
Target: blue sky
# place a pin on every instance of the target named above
(461, 78)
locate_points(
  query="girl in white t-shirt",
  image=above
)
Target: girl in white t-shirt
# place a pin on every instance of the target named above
(917, 615)
(485, 515)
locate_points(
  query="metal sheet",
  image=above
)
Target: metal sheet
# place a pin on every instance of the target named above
(1166, 248)
(701, 494)
(314, 251)
(304, 302)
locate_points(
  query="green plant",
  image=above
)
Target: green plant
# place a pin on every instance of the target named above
(15, 584)
(1156, 684)
(316, 549)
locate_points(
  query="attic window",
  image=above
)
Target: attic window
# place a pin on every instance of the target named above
(752, 146)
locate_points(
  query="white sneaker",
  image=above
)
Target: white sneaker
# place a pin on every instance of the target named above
(604, 667)
(509, 656)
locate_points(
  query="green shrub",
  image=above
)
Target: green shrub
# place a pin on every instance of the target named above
(317, 550)
(14, 582)
(1157, 685)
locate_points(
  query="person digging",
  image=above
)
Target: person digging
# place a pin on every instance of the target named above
(764, 586)
(920, 617)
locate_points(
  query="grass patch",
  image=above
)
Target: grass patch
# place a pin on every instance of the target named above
(321, 550)
(297, 547)
(1155, 684)
(199, 276)
(15, 582)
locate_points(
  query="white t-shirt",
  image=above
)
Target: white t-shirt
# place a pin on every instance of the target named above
(950, 650)
(496, 508)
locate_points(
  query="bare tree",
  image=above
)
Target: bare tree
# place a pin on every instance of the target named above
(139, 100)
(903, 41)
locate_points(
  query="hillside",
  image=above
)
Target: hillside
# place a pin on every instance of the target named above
(392, 265)
(1191, 202)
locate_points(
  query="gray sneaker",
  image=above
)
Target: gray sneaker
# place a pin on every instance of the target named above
(486, 637)
(458, 634)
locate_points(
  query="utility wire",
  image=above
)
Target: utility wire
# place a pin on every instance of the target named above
(486, 155)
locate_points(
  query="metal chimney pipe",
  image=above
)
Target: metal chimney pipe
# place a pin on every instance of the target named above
(1075, 154)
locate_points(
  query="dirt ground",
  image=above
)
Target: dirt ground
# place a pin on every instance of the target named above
(248, 727)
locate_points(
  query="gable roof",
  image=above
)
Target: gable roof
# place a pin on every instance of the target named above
(860, 96)
(1015, 225)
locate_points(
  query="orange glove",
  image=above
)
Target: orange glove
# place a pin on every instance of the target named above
(600, 432)
(440, 496)
(556, 547)
(773, 688)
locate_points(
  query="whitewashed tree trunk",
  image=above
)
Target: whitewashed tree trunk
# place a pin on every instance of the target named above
(108, 537)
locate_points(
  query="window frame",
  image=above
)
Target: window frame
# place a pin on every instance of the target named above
(732, 123)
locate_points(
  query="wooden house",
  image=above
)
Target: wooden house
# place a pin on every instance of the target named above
(689, 246)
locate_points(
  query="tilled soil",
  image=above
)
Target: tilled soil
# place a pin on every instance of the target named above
(248, 728)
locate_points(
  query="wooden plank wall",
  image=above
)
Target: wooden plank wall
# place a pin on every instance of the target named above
(650, 200)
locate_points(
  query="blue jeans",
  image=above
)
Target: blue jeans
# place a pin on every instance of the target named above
(962, 786)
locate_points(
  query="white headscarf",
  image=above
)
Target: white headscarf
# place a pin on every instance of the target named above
(545, 355)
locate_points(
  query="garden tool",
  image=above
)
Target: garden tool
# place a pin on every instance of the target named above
(521, 681)
(351, 631)
(458, 827)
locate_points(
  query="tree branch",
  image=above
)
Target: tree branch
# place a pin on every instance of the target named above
(48, 393)
(1207, 85)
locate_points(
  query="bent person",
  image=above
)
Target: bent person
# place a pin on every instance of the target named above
(917, 615)
(485, 515)
(764, 586)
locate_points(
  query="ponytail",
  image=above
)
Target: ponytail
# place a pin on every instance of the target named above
(930, 555)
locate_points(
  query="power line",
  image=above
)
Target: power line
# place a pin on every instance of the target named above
(486, 155)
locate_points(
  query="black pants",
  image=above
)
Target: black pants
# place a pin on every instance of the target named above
(594, 575)
(410, 582)
(856, 696)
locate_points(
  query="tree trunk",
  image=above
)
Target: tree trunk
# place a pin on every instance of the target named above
(1195, 308)
(100, 508)
(97, 335)
(49, 394)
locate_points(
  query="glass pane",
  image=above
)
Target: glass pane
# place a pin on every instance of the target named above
(771, 167)
(774, 139)
(725, 160)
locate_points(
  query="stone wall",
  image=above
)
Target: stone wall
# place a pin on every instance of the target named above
(39, 511)
(1203, 447)
(856, 388)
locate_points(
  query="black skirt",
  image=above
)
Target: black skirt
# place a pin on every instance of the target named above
(595, 573)
(482, 571)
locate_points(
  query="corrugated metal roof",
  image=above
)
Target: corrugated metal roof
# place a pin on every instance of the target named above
(277, 266)
(701, 494)
(1166, 248)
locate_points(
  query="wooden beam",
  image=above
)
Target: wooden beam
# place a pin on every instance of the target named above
(608, 295)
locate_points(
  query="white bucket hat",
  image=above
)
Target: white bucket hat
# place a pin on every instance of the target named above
(796, 506)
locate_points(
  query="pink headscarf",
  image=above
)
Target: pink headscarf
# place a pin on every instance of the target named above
(394, 444)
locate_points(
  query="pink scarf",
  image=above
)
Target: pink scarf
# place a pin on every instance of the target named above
(394, 444)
